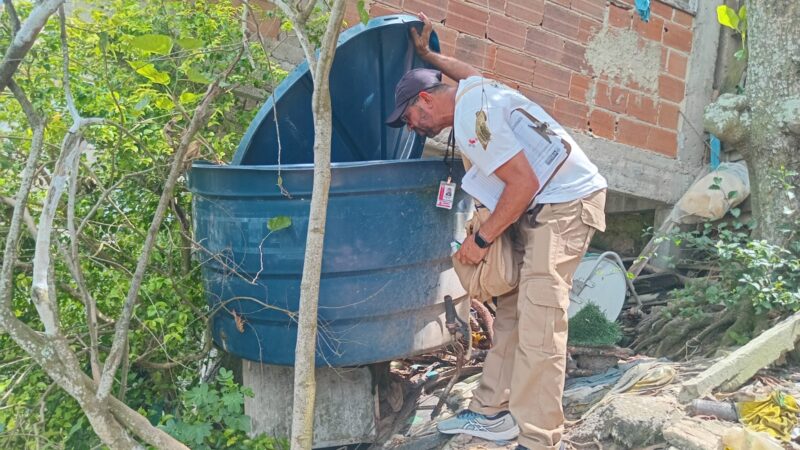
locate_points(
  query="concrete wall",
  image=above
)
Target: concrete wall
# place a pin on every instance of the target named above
(632, 92)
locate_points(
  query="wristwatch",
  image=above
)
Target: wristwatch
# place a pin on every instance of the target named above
(481, 242)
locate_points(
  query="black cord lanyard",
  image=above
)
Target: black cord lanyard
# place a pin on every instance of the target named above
(450, 151)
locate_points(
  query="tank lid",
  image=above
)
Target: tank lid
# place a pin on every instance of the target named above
(369, 61)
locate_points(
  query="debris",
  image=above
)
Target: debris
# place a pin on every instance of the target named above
(695, 434)
(595, 360)
(775, 415)
(713, 408)
(732, 371)
(631, 420)
(744, 439)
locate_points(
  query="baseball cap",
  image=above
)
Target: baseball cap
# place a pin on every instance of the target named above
(410, 85)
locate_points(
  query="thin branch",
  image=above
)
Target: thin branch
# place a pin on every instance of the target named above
(24, 39)
(300, 23)
(198, 121)
(17, 216)
(12, 15)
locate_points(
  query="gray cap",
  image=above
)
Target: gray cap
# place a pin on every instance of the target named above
(412, 83)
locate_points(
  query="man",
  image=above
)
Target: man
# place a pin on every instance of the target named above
(524, 372)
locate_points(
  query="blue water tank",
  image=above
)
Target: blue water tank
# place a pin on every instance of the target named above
(386, 261)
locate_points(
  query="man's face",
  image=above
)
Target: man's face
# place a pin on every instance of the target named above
(418, 117)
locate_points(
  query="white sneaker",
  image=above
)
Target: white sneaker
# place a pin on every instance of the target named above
(501, 427)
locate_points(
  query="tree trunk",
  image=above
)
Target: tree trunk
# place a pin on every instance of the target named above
(764, 122)
(773, 79)
(305, 350)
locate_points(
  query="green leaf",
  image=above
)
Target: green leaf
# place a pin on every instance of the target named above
(362, 12)
(714, 187)
(787, 210)
(732, 194)
(740, 54)
(149, 71)
(736, 212)
(153, 43)
(196, 76)
(727, 16)
(287, 26)
(743, 13)
(189, 97)
(164, 102)
(190, 43)
(278, 223)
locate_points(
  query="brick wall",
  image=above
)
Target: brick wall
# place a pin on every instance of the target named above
(546, 48)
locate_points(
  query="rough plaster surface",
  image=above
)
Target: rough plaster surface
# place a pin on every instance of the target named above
(631, 420)
(622, 55)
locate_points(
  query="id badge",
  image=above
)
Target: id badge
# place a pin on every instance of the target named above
(447, 192)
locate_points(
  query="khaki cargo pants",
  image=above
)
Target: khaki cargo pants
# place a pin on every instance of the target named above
(525, 369)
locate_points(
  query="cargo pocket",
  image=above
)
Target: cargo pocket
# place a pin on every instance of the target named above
(593, 210)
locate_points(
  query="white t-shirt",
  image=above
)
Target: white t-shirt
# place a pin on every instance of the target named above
(576, 178)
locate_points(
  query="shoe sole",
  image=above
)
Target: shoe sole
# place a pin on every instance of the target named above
(489, 436)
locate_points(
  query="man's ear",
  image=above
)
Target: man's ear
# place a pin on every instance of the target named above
(426, 97)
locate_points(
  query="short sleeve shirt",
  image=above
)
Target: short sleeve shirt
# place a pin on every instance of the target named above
(484, 135)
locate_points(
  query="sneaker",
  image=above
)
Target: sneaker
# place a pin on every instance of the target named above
(500, 427)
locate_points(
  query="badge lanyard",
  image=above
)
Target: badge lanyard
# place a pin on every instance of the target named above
(447, 189)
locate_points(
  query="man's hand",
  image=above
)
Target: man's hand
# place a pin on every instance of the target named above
(470, 253)
(421, 40)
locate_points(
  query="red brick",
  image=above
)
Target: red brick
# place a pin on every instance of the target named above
(650, 30)
(671, 89)
(394, 3)
(513, 84)
(561, 21)
(515, 66)
(611, 97)
(544, 44)
(643, 108)
(579, 87)
(633, 133)
(571, 114)
(603, 124)
(506, 31)
(574, 56)
(489, 58)
(447, 39)
(466, 18)
(676, 64)
(495, 5)
(351, 17)
(668, 115)
(663, 141)
(551, 78)
(678, 37)
(544, 99)
(527, 11)
(619, 17)
(683, 18)
(661, 10)
(471, 50)
(587, 29)
(564, 3)
(377, 10)
(592, 8)
(434, 9)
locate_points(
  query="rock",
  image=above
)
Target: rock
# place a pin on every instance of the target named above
(464, 442)
(630, 420)
(694, 434)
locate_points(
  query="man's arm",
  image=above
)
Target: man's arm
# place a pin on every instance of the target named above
(521, 184)
(453, 68)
